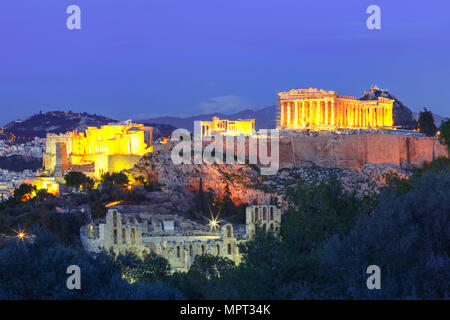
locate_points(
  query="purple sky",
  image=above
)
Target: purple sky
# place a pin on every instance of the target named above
(145, 58)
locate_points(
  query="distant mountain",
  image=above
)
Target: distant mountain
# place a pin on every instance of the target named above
(264, 118)
(437, 118)
(60, 122)
(159, 129)
(55, 122)
(402, 115)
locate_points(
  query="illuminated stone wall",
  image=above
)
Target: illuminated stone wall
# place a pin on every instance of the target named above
(355, 150)
(319, 109)
(110, 148)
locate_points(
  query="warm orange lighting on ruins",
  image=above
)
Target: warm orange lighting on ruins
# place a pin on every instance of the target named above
(110, 148)
(112, 204)
(126, 139)
(28, 196)
(227, 127)
(319, 109)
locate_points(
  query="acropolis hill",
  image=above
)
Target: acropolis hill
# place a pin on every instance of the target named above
(343, 131)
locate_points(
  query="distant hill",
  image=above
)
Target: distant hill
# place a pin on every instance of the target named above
(264, 118)
(20, 163)
(159, 129)
(437, 118)
(60, 122)
(402, 115)
(55, 122)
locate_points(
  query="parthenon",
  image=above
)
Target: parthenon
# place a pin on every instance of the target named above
(319, 109)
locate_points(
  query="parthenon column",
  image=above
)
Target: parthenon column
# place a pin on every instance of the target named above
(339, 113)
(345, 120)
(344, 114)
(288, 114)
(332, 120)
(316, 113)
(282, 114)
(311, 120)
(352, 114)
(296, 113)
(326, 112)
(303, 114)
(359, 115)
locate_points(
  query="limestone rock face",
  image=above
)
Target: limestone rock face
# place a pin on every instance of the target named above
(182, 181)
(402, 115)
(246, 185)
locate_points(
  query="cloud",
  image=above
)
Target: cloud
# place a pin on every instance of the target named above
(224, 104)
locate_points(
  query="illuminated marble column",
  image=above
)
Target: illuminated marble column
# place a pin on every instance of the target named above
(332, 120)
(282, 114)
(326, 112)
(348, 114)
(288, 114)
(339, 113)
(366, 116)
(363, 115)
(344, 114)
(296, 113)
(311, 112)
(373, 117)
(303, 114)
(359, 115)
(377, 116)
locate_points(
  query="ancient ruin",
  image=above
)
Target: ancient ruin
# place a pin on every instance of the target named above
(319, 109)
(227, 127)
(176, 238)
(111, 148)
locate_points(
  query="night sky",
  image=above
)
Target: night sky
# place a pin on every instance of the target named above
(146, 58)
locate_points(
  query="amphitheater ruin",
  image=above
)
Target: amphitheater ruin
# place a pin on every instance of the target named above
(174, 237)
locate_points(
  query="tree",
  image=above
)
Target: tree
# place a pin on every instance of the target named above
(146, 168)
(24, 193)
(202, 279)
(408, 238)
(38, 270)
(115, 178)
(98, 210)
(425, 123)
(444, 133)
(211, 267)
(78, 180)
(153, 268)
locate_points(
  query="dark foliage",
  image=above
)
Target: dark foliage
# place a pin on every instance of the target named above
(39, 271)
(425, 123)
